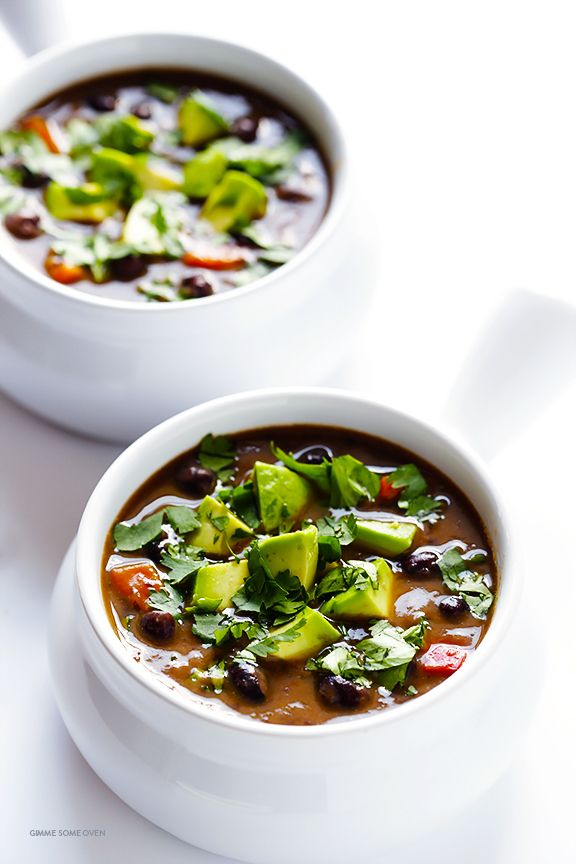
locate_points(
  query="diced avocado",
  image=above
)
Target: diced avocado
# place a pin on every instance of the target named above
(315, 634)
(128, 134)
(388, 538)
(111, 165)
(236, 201)
(296, 552)
(199, 121)
(219, 582)
(153, 173)
(282, 495)
(218, 527)
(87, 203)
(367, 602)
(203, 172)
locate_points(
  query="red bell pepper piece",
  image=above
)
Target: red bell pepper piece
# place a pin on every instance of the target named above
(442, 659)
(37, 124)
(135, 582)
(212, 257)
(387, 490)
(67, 274)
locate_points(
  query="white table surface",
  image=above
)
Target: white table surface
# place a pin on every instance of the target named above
(461, 119)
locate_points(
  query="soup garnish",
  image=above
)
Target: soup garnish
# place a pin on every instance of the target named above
(299, 574)
(160, 186)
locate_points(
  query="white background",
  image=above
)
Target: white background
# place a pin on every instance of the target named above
(461, 122)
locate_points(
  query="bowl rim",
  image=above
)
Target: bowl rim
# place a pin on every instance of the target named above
(336, 205)
(509, 588)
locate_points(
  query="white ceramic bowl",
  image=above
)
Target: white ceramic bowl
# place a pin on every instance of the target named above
(263, 793)
(113, 369)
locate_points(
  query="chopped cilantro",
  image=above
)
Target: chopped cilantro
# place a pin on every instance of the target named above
(277, 599)
(269, 644)
(333, 534)
(458, 577)
(242, 500)
(217, 453)
(182, 562)
(129, 538)
(385, 655)
(351, 482)
(164, 92)
(347, 480)
(166, 599)
(413, 499)
(339, 579)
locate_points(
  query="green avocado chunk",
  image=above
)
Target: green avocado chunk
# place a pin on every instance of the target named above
(218, 527)
(87, 203)
(153, 173)
(203, 172)
(389, 538)
(315, 634)
(296, 552)
(282, 495)
(110, 165)
(367, 602)
(199, 121)
(235, 202)
(219, 582)
(128, 134)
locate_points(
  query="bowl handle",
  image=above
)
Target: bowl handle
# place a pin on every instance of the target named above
(524, 359)
(32, 24)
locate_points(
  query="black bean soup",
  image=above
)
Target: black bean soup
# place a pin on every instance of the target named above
(160, 186)
(299, 574)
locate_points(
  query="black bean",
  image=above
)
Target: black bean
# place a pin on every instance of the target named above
(245, 128)
(102, 101)
(340, 693)
(158, 625)
(195, 479)
(314, 455)
(195, 286)
(249, 680)
(129, 268)
(292, 194)
(422, 564)
(32, 179)
(23, 226)
(142, 110)
(452, 606)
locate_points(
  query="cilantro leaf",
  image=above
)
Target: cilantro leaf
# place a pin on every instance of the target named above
(218, 627)
(182, 562)
(458, 577)
(242, 500)
(351, 482)
(129, 538)
(164, 92)
(270, 644)
(318, 474)
(183, 519)
(340, 579)
(345, 479)
(386, 655)
(342, 660)
(217, 453)
(413, 499)
(166, 599)
(333, 534)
